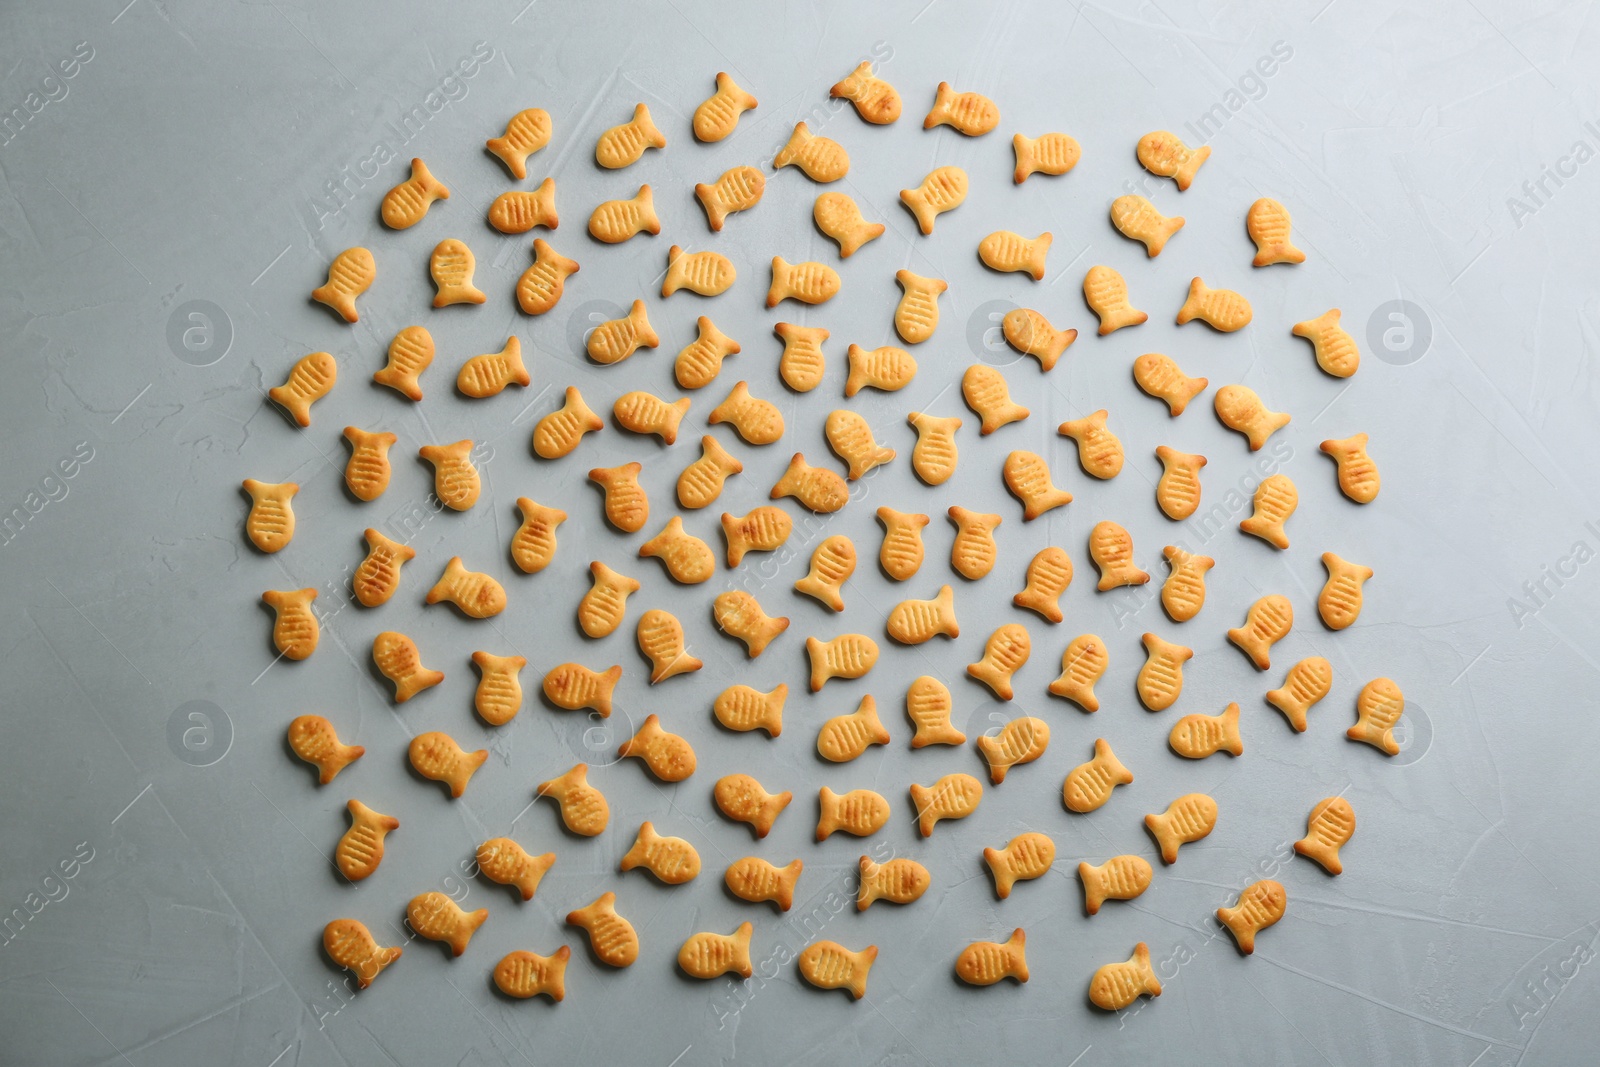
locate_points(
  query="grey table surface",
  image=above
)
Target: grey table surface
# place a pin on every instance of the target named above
(175, 177)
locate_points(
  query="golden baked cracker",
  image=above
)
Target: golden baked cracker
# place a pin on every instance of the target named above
(1020, 741)
(616, 339)
(436, 755)
(1340, 600)
(802, 364)
(829, 965)
(860, 812)
(1003, 250)
(410, 353)
(351, 273)
(1186, 820)
(719, 113)
(969, 113)
(669, 757)
(763, 529)
(701, 481)
(602, 608)
(573, 686)
(641, 412)
(519, 211)
(504, 861)
(627, 508)
(499, 694)
(1183, 594)
(1267, 223)
(477, 594)
(405, 204)
(1115, 986)
(756, 880)
(541, 285)
(709, 955)
(1107, 296)
(1025, 857)
(1004, 653)
(739, 707)
(846, 656)
(621, 146)
(1082, 663)
(928, 706)
(758, 421)
(739, 614)
(1160, 680)
(822, 159)
(1111, 549)
(1358, 475)
(671, 859)
(455, 478)
(451, 266)
(583, 808)
(1164, 155)
(1379, 706)
(1335, 349)
(987, 962)
(1260, 905)
(817, 488)
(844, 737)
(1178, 489)
(367, 473)
(1160, 377)
(808, 283)
(487, 375)
(396, 656)
(944, 189)
(917, 314)
(739, 189)
(1276, 498)
(876, 100)
(700, 361)
(1027, 475)
(1049, 575)
(1198, 736)
(349, 943)
(533, 546)
(912, 622)
(986, 393)
(1052, 153)
(1266, 623)
(973, 552)
(1138, 220)
(837, 216)
(1031, 334)
(270, 524)
(934, 455)
(955, 796)
(900, 554)
(1329, 827)
(1222, 309)
(1240, 409)
(1306, 683)
(523, 974)
(313, 739)
(833, 561)
(1088, 785)
(310, 379)
(707, 273)
(851, 439)
(612, 937)
(1099, 450)
(295, 629)
(660, 637)
(526, 132)
(899, 881)
(360, 848)
(742, 799)
(1123, 877)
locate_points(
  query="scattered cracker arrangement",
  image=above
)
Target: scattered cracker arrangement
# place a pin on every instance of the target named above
(802, 366)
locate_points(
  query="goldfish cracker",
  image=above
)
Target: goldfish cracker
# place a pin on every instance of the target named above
(986, 393)
(1178, 489)
(487, 375)
(627, 508)
(1118, 878)
(1158, 376)
(615, 221)
(1160, 680)
(763, 529)
(829, 965)
(968, 113)
(739, 614)
(917, 314)
(295, 629)
(1020, 741)
(526, 132)
(573, 686)
(1183, 594)
(833, 561)
(987, 962)
(613, 938)
(349, 943)
(701, 482)
(706, 273)
(1335, 349)
(1222, 309)
(660, 637)
(436, 755)
(860, 812)
(617, 339)
(672, 860)
(1186, 820)
(822, 159)
(1267, 222)
(455, 479)
(270, 524)
(583, 808)
(313, 739)
(1099, 451)
(1082, 663)
(876, 101)
(818, 488)
(1025, 857)
(1339, 603)
(757, 421)
(1199, 736)
(602, 608)
(1027, 476)
(410, 353)
(310, 379)
(1266, 623)
(1053, 153)
(1240, 409)
(368, 472)
(717, 116)
(499, 694)
(1276, 498)
(621, 146)
(1379, 706)
(1111, 549)
(1306, 683)
(913, 622)
(360, 849)
(944, 189)
(935, 454)
(739, 189)
(851, 439)
(837, 216)
(477, 594)
(1329, 827)
(808, 283)
(519, 211)
(541, 285)
(973, 552)
(1138, 220)
(669, 757)
(1049, 575)
(559, 432)
(928, 706)
(1107, 296)
(900, 554)
(899, 881)
(451, 266)
(523, 974)
(406, 204)
(1004, 653)
(1007, 251)
(1358, 475)
(742, 799)
(396, 656)
(846, 656)
(844, 737)
(1115, 986)
(351, 273)
(1089, 785)
(1260, 905)
(802, 364)
(1164, 155)
(739, 707)
(641, 412)
(955, 796)
(1032, 334)
(711, 955)
(504, 861)
(438, 918)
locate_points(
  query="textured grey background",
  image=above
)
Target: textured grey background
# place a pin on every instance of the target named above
(196, 154)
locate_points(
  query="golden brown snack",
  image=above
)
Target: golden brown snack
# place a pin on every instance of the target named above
(838, 216)
(541, 285)
(973, 552)
(850, 437)
(1138, 220)
(1020, 741)
(706, 273)
(701, 482)
(1178, 489)
(1107, 296)
(1053, 153)
(1160, 680)
(1222, 309)
(917, 314)
(669, 757)
(397, 658)
(846, 656)
(1099, 450)
(367, 472)
(533, 546)
(833, 561)
(406, 204)
(1004, 653)
(1025, 857)
(436, 755)
(1088, 785)
(627, 508)
(1379, 706)
(1082, 663)
(763, 529)
(349, 943)
(900, 554)
(1049, 575)
(829, 965)
(360, 848)
(1164, 155)
(1111, 549)
(1329, 827)
(934, 455)
(504, 861)
(860, 812)
(1183, 594)
(1339, 603)
(1005, 251)
(955, 796)
(818, 488)
(1115, 986)
(310, 379)
(700, 361)
(1118, 878)
(1335, 349)
(739, 707)
(739, 189)
(756, 880)
(1240, 409)
(1276, 499)
(912, 622)
(451, 266)
(519, 211)
(1027, 475)
(583, 807)
(621, 146)
(410, 353)
(876, 100)
(1186, 820)
(602, 608)
(844, 737)
(899, 881)
(944, 189)
(1306, 683)
(455, 479)
(487, 375)
(987, 394)
(646, 413)
(270, 524)
(802, 364)
(617, 339)
(1032, 334)
(523, 974)
(559, 432)
(660, 637)
(758, 421)
(1198, 736)
(671, 859)
(477, 594)
(739, 615)
(969, 113)
(1358, 475)
(313, 739)
(708, 955)
(808, 283)
(1267, 222)
(1266, 623)
(499, 694)
(295, 629)
(573, 686)
(822, 159)
(1158, 376)
(928, 706)
(987, 962)
(351, 273)
(1260, 905)
(719, 113)
(526, 132)
(742, 799)
(887, 368)
(612, 937)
